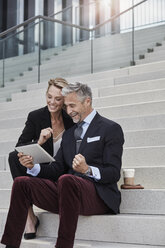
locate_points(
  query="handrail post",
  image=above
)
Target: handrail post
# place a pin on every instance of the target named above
(3, 75)
(133, 36)
(92, 37)
(39, 50)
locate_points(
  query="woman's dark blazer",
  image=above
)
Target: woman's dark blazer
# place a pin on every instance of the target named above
(38, 120)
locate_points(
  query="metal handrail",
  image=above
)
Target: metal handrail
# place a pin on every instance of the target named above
(117, 15)
(40, 18)
(32, 19)
(69, 7)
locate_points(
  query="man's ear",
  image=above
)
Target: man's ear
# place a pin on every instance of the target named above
(88, 101)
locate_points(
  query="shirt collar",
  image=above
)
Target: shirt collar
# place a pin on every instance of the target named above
(90, 117)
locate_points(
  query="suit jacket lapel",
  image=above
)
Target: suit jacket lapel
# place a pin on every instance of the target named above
(90, 129)
(46, 122)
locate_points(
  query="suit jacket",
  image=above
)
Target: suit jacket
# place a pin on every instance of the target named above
(38, 120)
(103, 152)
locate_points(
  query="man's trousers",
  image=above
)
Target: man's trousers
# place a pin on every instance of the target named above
(70, 197)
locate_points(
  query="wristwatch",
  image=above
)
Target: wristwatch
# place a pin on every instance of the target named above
(88, 171)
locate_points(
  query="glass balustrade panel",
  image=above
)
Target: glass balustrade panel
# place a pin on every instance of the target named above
(21, 56)
(112, 46)
(1, 63)
(149, 21)
(65, 51)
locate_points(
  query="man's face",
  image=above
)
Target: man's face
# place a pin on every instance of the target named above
(76, 109)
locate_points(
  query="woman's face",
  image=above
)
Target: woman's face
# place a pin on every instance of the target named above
(54, 99)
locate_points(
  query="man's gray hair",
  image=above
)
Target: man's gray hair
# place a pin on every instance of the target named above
(82, 90)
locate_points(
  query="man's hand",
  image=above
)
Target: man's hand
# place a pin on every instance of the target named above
(26, 160)
(45, 135)
(79, 164)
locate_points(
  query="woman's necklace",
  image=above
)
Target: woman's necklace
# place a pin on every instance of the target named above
(57, 126)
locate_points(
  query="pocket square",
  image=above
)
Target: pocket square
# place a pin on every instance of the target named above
(92, 139)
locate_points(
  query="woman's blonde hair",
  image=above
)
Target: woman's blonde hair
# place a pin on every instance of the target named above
(57, 82)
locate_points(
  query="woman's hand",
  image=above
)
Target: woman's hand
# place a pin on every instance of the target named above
(45, 135)
(26, 160)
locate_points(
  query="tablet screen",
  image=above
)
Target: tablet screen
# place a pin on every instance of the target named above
(38, 154)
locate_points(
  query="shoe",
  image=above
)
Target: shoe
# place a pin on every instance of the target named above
(32, 235)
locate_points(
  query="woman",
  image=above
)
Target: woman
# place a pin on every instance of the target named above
(44, 126)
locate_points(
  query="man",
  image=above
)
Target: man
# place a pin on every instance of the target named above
(82, 180)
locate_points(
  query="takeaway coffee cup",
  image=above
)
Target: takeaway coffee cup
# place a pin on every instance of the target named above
(129, 175)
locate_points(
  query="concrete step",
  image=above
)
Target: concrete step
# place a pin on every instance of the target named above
(6, 180)
(149, 177)
(118, 111)
(82, 244)
(141, 122)
(18, 113)
(137, 138)
(11, 134)
(133, 229)
(38, 95)
(134, 157)
(127, 123)
(4, 162)
(7, 146)
(140, 201)
(129, 98)
(139, 69)
(145, 226)
(45, 242)
(25, 99)
(98, 75)
(140, 77)
(132, 70)
(144, 68)
(152, 137)
(5, 198)
(3, 99)
(133, 110)
(111, 96)
(143, 201)
(132, 88)
(16, 123)
(160, 52)
(151, 59)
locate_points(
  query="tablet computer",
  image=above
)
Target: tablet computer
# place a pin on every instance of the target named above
(38, 154)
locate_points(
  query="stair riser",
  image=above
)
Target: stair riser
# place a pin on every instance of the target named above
(132, 138)
(148, 177)
(133, 110)
(132, 88)
(133, 229)
(148, 96)
(109, 112)
(143, 156)
(140, 77)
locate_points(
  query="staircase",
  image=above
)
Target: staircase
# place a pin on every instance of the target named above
(110, 52)
(135, 98)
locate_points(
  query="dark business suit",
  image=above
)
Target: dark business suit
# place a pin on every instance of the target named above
(60, 190)
(105, 154)
(36, 121)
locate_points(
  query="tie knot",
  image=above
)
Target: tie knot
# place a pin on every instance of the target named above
(78, 131)
(80, 124)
